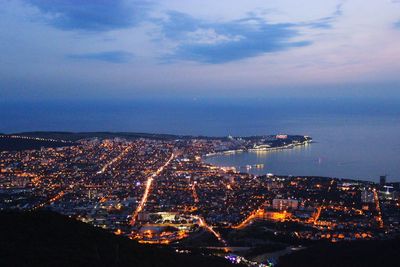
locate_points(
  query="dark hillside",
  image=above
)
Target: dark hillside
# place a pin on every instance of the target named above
(49, 239)
(18, 144)
(346, 254)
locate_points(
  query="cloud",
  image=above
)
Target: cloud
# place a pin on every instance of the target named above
(397, 25)
(91, 15)
(107, 56)
(326, 22)
(222, 42)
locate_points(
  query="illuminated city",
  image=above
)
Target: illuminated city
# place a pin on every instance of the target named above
(160, 191)
(199, 133)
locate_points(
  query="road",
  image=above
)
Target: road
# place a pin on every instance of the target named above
(149, 183)
(50, 201)
(204, 224)
(314, 219)
(114, 160)
(255, 214)
(379, 219)
(194, 193)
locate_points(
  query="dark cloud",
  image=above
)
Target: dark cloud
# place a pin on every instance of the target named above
(107, 56)
(91, 15)
(235, 40)
(227, 41)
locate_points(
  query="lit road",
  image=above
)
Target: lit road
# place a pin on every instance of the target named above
(378, 209)
(194, 194)
(317, 215)
(148, 187)
(114, 160)
(314, 219)
(255, 214)
(204, 224)
(52, 200)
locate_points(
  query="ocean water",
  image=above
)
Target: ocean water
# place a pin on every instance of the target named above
(354, 138)
(357, 148)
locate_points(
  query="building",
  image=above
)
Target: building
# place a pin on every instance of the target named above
(367, 196)
(276, 215)
(143, 216)
(285, 204)
(382, 180)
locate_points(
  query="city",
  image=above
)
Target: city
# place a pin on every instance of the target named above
(168, 133)
(161, 192)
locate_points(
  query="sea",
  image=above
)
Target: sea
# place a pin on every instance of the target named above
(355, 138)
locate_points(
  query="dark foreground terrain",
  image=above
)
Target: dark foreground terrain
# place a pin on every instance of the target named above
(346, 254)
(48, 239)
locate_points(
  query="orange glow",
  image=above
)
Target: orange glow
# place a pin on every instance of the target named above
(147, 190)
(118, 232)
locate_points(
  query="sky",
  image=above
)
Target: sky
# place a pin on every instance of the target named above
(129, 49)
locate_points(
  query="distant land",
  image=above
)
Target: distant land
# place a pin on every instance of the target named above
(39, 139)
(18, 143)
(74, 136)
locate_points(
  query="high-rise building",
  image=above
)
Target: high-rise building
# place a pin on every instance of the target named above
(382, 180)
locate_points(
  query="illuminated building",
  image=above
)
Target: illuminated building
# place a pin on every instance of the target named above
(367, 196)
(285, 204)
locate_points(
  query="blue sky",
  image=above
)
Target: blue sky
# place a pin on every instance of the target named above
(54, 49)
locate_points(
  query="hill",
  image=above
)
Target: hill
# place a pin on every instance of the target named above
(74, 136)
(48, 239)
(346, 254)
(8, 143)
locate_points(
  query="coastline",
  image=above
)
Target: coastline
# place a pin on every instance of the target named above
(260, 166)
(234, 151)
